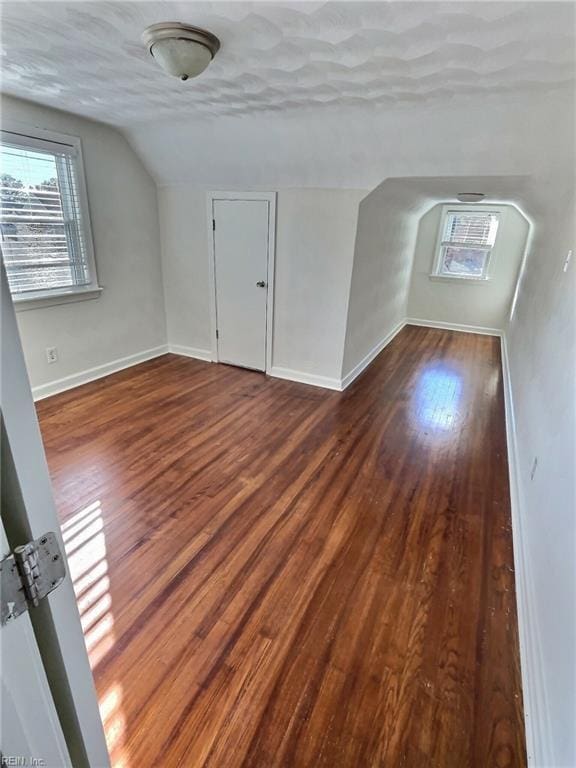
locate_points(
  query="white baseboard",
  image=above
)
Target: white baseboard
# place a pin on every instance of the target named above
(198, 354)
(454, 326)
(365, 362)
(91, 374)
(305, 378)
(536, 717)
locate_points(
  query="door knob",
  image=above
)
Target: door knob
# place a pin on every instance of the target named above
(261, 284)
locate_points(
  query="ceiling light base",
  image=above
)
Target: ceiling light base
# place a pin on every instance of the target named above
(470, 197)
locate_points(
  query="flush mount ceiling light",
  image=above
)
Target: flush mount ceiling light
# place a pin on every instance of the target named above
(470, 197)
(181, 50)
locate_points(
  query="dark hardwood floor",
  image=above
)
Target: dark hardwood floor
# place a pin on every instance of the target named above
(275, 575)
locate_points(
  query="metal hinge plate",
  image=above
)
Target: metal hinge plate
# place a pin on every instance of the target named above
(30, 573)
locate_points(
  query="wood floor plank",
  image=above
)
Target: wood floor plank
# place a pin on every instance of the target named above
(274, 575)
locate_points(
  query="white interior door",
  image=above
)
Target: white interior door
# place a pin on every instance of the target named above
(30, 728)
(50, 637)
(241, 252)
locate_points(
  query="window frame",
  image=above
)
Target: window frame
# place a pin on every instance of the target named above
(35, 137)
(437, 262)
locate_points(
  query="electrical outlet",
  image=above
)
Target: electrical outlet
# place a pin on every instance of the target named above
(52, 354)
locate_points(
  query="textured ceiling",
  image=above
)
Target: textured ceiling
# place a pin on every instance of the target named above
(87, 57)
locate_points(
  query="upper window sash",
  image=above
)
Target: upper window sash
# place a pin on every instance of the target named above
(449, 223)
(67, 153)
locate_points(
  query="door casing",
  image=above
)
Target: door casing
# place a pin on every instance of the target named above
(248, 195)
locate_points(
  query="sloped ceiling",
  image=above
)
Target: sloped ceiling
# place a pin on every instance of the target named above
(296, 86)
(357, 148)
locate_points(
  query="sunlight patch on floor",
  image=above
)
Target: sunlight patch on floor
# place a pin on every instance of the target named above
(436, 403)
(114, 725)
(85, 545)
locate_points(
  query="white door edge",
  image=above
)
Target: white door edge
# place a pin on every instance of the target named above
(27, 450)
(29, 722)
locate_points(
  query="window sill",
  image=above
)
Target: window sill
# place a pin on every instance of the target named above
(24, 303)
(457, 279)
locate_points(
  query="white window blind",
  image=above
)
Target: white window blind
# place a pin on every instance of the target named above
(44, 242)
(466, 244)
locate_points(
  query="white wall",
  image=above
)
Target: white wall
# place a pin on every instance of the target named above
(541, 342)
(481, 304)
(315, 232)
(128, 317)
(314, 253)
(381, 272)
(184, 238)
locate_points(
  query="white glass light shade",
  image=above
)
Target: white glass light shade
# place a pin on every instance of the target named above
(181, 58)
(181, 50)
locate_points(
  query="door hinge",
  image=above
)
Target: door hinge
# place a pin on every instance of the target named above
(213, 225)
(217, 334)
(28, 574)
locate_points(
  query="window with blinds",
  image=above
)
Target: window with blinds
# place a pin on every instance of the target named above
(466, 243)
(45, 236)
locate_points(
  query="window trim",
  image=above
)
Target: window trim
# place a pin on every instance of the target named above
(436, 273)
(49, 297)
